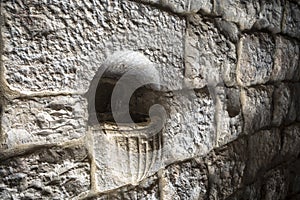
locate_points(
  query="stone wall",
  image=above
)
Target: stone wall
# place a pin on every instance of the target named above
(230, 72)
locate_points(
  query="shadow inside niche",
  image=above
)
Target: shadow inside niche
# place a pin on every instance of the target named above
(140, 102)
(136, 71)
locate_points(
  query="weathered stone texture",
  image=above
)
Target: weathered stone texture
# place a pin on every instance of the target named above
(257, 108)
(147, 189)
(291, 22)
(286, 60)
(52, 173)
(209, 57)
(56, 43)
(182, 6)
(190, 126)
(185, 181)
(255, 59)
(230, 73)
(44, 120)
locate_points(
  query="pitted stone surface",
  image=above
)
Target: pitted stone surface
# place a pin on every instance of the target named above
(255, 59)
(230, 72)
(48, 120)
(257, 108)
(209, 57)
(61, 44)
(52, 173)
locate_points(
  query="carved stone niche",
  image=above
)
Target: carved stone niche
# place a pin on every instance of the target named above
(125, 119)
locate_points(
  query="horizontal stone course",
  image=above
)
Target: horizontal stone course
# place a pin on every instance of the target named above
(44, 120)
(46, 173)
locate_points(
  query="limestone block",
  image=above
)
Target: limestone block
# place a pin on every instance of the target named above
(60, 45)
(244, 13)
(273, 185)
(187, 180)
(256, 107)
(183, 6)
(210, 58)
(124, 155)
(263, 147)
(291, 142)
(294, 109)
(255, 59)
(229, 115)
(291, 22)
(286, 60)
(269, 16)
(147, 189)
(286, 103)
(259, 15)
(49, 173)
(190, 128)
(44, 120)
(282, 101)
(225, 169)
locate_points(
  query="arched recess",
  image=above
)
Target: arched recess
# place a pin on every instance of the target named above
(134, 69)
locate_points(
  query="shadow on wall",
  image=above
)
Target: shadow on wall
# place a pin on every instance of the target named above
(135, 82)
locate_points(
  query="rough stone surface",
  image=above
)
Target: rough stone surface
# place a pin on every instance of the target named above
(183, 6)
(257, 108)
(241, 12)
(185, 181)
(255, 59)
(62, 44)
(210, 57)
(286, 60)
(52, 173)
(190, 127)
(46, 120)
(229, 71)
(291, 22)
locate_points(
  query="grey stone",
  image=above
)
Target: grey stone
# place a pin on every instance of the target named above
(294, 110)
(185, 181)
(61, 50)
(229, 29)
(291, 142)
(286, 60)
(52, 173)
(256, 108)
(230, 76)
(269, 16)
(263, 147)
(255, 59)
(281, 104)
(190, 126)
(209, 58)
(184, 7)
(243, 13)
(291, 22)
(49, 120)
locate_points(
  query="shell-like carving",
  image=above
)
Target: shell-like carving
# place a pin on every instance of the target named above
(132, 152)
